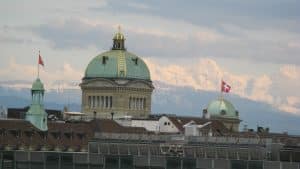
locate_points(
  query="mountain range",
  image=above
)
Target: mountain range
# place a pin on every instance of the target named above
(168, 99)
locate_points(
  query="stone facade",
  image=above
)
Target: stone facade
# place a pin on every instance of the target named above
(115, 98)
(230, 124)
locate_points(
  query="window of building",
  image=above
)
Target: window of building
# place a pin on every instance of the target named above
(129, 103)
(102, 101)
(94, 101)
(110, 102)
(137, 103)
(98, 101)
(223, 112)
(106, 101)
(104, 59)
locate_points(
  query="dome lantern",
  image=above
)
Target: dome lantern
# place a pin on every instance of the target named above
(119, 40)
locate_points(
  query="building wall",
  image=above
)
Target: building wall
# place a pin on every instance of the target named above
(3, 112)
(31, 160)
(101, 97)
(165, 125)
(150, 125)
(231, 124)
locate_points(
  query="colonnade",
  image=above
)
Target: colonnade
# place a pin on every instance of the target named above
(136, 103)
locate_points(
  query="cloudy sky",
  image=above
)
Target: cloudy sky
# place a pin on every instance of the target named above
(253, 45)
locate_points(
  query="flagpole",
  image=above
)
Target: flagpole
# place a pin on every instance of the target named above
(221, 96)
(39, 67)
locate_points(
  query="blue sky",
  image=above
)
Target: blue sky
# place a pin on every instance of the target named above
(253, 45)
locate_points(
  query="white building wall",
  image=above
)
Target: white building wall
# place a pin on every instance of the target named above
(124, 122)
(165, 125)
(150, 125)
(191, 130)
(3, 112)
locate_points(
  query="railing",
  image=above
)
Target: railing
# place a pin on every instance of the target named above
(181, 139)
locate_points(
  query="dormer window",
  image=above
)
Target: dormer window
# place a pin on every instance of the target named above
(104, 59)
(135, 60)
(223, 112)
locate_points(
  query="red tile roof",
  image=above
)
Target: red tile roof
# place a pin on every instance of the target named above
(65, 135)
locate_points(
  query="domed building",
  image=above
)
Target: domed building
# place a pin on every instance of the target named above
(221, 109)
(116, 83)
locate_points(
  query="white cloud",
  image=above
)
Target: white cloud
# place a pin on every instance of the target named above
(140, 6)
(205, 74)
(60, 78)
(294, 44)
(261, 89)
(291, 105)
(290, 71)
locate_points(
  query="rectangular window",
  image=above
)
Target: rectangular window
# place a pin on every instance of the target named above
(89, 102)
(98, 101)
(134, 103)
(110, 105)
(106, 101)
(94, 101)
(129, 103)
(142, 103)
(102, 101)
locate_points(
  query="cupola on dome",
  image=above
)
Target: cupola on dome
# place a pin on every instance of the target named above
(37, 85)
(117, 63)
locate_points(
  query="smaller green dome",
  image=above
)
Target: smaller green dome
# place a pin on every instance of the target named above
(222, 108)
(37, 85)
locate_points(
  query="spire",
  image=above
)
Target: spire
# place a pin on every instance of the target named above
(119, 40)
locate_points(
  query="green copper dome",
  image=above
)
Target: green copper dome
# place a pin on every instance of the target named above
(222, 108)
(37, 85)
(117, 63)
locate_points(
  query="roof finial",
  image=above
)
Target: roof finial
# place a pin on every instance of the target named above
(118, 40)
(119, 28)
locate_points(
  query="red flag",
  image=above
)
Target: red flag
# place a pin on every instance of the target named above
(41, 60)
(225, 87)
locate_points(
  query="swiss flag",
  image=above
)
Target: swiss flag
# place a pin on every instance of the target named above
(41, 60)
(225, 87)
